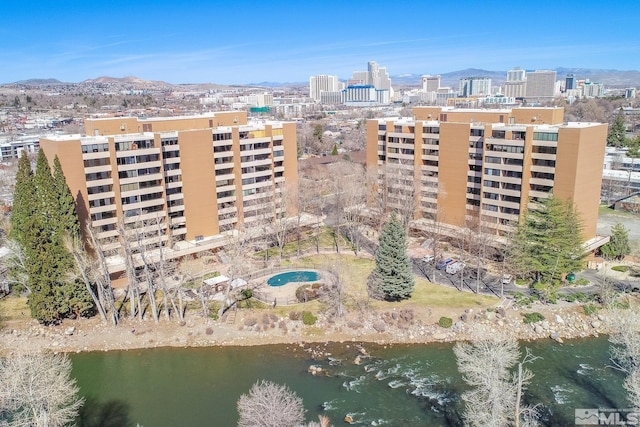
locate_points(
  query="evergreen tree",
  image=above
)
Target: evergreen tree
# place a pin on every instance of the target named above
(392, 277)
(548, 241)
(53, 294)
(617, 132)
(618, 246)
(66, 206)
(23, 199)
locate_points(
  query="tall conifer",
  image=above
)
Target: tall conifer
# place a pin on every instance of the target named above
(23, 199)
(393, 275)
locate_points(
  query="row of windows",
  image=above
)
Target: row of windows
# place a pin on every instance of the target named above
(134, 145)
(95, 148)
(105, 161)
(545, 136)
(97, 175)
(505, 148)
(221, 136)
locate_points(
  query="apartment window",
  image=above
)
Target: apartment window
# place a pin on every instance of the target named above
(517, 135)
(476, 132)
(128, 187)
(491, 196)
(98, 175)
(95, 148)
(545, 136)
(171, 141)
(96, 162)
(221, 136)
(544, 150)
(498, 134)
(492, 159)
(443, 117)
(382, 127)
(490, 208)
(129, 160)
(127, 174)
(432, 129)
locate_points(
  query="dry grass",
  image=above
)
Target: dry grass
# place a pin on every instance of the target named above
(14, 308)
(356, 270)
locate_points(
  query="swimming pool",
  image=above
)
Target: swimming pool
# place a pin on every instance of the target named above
(292, 276)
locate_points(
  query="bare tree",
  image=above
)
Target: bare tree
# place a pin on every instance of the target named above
(37, 390)
(270, 405)
(133, 284)
(84, 266)
(333, 293)
(17, 265)
(624, 336)
(495, 398)
(102, 276)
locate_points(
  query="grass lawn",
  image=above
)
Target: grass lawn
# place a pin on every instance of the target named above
(355, 271)
(14, 308)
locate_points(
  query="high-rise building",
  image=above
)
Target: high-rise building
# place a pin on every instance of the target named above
(190, 178)
(474, 86)
(322, 83)
(484, 166)
(570, 82)
(375, 76)
(430, 83)
(541, 84)
(516, 75)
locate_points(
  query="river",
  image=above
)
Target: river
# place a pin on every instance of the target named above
(400, 385)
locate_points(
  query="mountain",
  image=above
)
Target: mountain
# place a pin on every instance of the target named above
(124, 80)
(277, 84)
(39, 82)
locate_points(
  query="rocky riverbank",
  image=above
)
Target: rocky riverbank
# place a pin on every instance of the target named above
(259, 327)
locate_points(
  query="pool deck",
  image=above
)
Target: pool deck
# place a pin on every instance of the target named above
(283, 295)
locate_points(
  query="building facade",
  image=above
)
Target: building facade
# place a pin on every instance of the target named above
(541, 84)
(192, 177)
(473, 86)
(484, 166)
(322, 83)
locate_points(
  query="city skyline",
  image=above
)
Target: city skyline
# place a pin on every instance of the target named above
(251, 42)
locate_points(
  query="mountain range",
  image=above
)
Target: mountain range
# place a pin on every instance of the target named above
(609, 77)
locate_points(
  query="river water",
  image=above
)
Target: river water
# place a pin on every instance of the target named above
(400, 385)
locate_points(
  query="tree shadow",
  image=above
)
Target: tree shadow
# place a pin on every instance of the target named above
(112, 413)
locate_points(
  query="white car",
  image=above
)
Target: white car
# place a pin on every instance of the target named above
(506, 279)
(428, 258)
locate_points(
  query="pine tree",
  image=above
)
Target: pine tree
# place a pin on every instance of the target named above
(392, 276)
(53, 294)
(23, 199)
(618, 246)
(548, 241)
(66, 206)
(617, 132)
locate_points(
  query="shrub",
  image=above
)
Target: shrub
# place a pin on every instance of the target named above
(379, 326)
(306, 293)
(620, 268)
(295, 315)
(532, 317)
(251, 321)
(308, 318)
(209, 331)
(354, 324)
(589, 309)
(445, 322)
(247, 293)
(582, 282)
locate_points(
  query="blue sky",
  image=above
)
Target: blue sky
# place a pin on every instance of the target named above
(271, 40)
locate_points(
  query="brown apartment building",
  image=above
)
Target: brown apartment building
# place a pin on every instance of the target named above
(193, 177)
(467, 164)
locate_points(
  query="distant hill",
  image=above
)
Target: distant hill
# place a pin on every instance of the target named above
(277, 84)
(124, 80)
(39, 82)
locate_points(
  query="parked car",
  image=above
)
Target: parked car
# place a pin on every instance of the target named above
(428, 258)
(442, 264)
(506, 279)
(454, 267)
